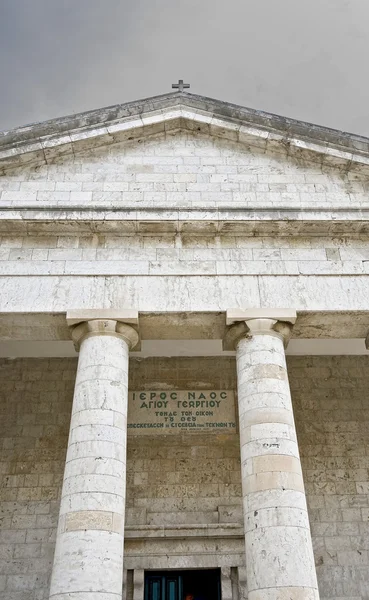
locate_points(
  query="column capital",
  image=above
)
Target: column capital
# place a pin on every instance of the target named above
(252, 322)
(116, 323)
(235, 315)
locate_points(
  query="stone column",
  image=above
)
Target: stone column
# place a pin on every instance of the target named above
(88, 562)
(279, 555)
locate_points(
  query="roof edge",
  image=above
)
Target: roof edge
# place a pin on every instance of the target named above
(38, 136)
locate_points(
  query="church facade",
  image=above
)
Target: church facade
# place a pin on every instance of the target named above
(183, 374)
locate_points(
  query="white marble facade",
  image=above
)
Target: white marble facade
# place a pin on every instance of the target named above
(183, 227)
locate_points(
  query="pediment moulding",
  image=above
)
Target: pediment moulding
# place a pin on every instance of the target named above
(44, 143)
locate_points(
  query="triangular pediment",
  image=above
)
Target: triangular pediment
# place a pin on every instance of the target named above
(183, 175)
(183, 163)
(43, 143)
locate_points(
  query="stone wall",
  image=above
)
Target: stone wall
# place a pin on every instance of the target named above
(183, 169)
(189, 479)
(173, 255)
(217, 185)
(35, 404)
(186, 478)
(180, 171)
(331, 403)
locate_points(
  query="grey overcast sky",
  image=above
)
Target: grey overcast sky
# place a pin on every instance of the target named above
(306, 59)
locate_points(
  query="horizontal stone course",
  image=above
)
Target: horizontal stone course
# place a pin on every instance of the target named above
(196, 255)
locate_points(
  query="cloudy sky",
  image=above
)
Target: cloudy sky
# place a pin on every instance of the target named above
(302, 59)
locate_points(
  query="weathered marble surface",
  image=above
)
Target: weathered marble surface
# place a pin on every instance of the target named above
(183, 170)
(279, 552)
(42, 143)
(183, 221)
(88, 561)
(180, 294)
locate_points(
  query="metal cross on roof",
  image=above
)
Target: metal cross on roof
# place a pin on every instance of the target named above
(180, 85)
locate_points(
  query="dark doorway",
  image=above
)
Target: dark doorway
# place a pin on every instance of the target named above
(202, 584)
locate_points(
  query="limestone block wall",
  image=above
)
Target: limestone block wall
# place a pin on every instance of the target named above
(169, 255)
(185, 478)
(35, 405)
(332, 414)
(331, 403)
(51, 273)
(183, 169)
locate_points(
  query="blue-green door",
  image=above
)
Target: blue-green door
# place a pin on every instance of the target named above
(163, 587)
(199, 584)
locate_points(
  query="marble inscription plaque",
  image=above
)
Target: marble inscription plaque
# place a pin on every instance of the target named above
(175, 411)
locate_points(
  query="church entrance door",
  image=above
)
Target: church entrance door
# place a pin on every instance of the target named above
(199, 584)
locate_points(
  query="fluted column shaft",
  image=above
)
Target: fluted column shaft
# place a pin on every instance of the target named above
(88, 562)
(279, 554)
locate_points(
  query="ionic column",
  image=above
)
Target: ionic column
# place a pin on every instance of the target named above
(279, 555)
(88, 562)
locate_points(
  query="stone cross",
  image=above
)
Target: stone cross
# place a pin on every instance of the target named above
(180, 85)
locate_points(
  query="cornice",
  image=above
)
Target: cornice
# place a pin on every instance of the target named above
(196, 221)
(43, 143)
